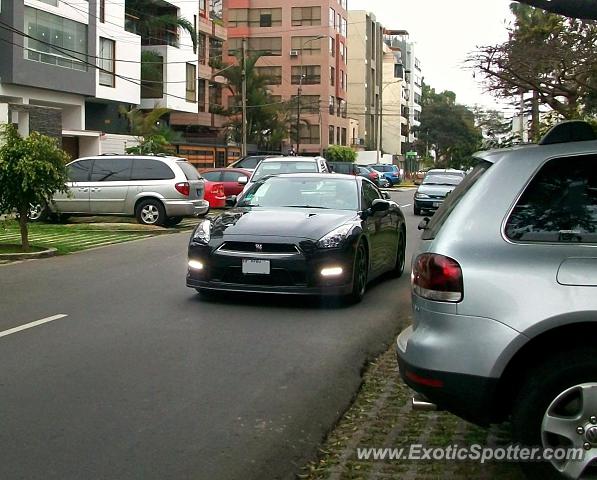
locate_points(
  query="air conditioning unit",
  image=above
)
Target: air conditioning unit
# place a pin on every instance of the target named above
(294, 53)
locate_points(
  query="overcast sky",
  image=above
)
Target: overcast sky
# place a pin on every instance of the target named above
(444, 32)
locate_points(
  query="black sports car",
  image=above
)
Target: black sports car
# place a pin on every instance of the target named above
(314, 234)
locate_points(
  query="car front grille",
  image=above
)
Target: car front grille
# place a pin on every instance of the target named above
(255, 247)
(279, 277)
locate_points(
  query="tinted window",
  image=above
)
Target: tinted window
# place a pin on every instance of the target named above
(369, 194)
(211, 176)
(453, 199)
(249, 162)
(559, 205)
(79, 171)
(189, 171)
(231, 176)
(111, 170)
(151, 170)
(277, 168)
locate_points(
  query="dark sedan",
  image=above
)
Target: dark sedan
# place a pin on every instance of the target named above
(313, 234)
(434, 189)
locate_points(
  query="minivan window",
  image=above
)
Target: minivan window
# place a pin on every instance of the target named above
(148, 169)
(190, 172)
(442, 214)
(559, 205)
(79, 171)
(111, 169)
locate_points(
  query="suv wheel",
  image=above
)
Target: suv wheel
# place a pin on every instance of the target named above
(557, 407)
(150, 212)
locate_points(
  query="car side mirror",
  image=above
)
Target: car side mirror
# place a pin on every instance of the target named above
(243, 180)
(386, 195)
(380, 205)
(231, 200)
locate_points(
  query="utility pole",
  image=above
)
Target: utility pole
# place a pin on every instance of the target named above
(244, 97)
(298, 108)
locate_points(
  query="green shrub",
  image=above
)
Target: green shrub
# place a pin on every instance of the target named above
(338, 153)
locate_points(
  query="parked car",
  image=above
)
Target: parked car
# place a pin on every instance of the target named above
(382, 181)
(505, 299)
(313, 234)
(214, 194)
(249, 162)
(369, 173)
(436, 185)
(345, 168)
(389, 171)
(228, 177)
(280, 165)
(157, 190)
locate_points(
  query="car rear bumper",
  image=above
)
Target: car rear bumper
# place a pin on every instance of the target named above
(185, 208)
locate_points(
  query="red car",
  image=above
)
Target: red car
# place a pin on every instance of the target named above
(214, 194)
(228, 177)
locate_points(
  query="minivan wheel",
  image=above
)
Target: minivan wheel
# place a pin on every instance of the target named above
(37, 212)
(151, 212)
(557, 408)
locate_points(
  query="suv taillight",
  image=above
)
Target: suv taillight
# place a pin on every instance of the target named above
(183, 188)
(437, 277)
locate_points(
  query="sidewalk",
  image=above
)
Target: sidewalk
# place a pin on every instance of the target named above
(381, 416)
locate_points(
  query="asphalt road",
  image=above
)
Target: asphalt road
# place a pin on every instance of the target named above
(144, 380)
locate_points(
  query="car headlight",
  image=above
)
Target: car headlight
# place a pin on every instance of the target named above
(421, 195)
(335, 238)
(203, 232)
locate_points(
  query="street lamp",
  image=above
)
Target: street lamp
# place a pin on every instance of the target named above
(379, 142)
(300, 91)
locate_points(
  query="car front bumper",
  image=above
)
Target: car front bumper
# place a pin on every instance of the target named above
(295, 274)
(456, 360)
(428, 203)
(186, 208)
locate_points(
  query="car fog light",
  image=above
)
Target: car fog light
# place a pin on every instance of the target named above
(195, 265)
(331, 271)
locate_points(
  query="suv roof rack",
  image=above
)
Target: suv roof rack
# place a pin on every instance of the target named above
(569, 131)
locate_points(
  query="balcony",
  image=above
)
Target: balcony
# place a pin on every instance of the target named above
(152, 33)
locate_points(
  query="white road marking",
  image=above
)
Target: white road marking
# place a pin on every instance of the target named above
(32, 324)
(407, 205)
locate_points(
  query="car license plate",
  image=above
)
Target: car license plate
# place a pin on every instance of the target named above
(256, 267)
(437, 204)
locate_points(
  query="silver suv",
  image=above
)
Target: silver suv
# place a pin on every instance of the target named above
(505, 298)
(157, 190)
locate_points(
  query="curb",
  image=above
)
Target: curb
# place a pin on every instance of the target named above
(49, 252)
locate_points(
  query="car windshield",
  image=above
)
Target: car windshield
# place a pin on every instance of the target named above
(300, 192)
(276, 168)
(441, 179)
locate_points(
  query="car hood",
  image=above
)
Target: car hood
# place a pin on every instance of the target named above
(307, 223)
(436, 190)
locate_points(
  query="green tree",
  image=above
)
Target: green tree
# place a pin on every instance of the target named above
(268, 121)
(154, 134)
(339, 153)
(448, 127)
(547, 54)
(32, 170)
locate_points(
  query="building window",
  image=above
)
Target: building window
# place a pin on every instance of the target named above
(152, 80)
(309, 134)
(273, 75)
(46, 31)
(338, 135)
(342, 83)
(332, 76)
(309, 103)
(332, 47)
(255, 17)
(201, 91)
(191, 83)
(311, 75)
(306, 16)
(215, 52)
(307, 45)
(268, 46)
(202, 47)
(342, 108)
(343, 139)
(203, 8)
(107, 64)
(215, 98)
(343, 27)
(332, 18)
(332, 105)
(331, 134)
(102, 11)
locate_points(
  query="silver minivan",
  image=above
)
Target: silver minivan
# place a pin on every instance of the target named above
(156, 190)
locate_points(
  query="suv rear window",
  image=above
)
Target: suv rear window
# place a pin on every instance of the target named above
(559, 205)
(190, 172)
(442, 214)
